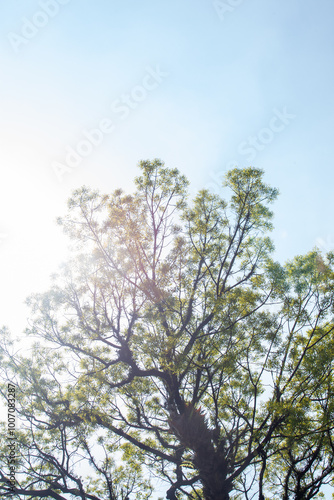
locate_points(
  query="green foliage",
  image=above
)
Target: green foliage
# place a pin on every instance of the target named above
(173, 346)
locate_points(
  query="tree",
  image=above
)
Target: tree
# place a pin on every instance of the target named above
(173, 346)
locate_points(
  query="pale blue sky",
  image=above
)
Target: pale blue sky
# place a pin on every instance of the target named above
(226, 81)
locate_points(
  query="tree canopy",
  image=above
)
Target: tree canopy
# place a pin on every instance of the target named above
(173, 348)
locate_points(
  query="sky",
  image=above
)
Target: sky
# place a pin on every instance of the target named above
(88, 89)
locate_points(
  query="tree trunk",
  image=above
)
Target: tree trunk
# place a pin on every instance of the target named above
(213, 471)
(192, 430)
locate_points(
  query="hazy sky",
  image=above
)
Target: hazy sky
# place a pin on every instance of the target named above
(89, 88)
